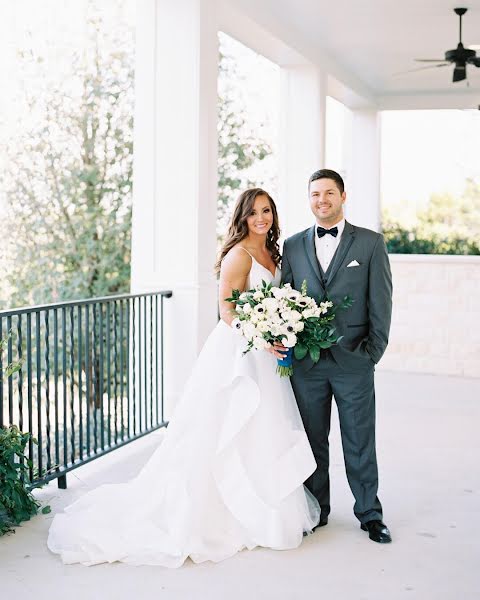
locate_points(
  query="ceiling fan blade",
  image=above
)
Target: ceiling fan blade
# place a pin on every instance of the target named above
(475, 60)
(437, 60)
(459, 73)
(445, 64)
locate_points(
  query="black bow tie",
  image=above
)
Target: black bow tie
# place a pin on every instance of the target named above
(321, 231)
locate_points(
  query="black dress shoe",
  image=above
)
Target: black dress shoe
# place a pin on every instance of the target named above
(377, 531)
(323, 521)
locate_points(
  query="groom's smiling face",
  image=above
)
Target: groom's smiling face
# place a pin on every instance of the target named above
(326, 202)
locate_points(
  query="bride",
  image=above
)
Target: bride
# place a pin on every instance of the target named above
(229, 473)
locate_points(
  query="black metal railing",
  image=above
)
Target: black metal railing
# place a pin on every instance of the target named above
(91, 378)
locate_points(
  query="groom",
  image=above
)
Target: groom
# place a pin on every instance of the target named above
(338, 259)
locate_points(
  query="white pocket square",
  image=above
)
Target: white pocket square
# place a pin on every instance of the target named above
(354, 263)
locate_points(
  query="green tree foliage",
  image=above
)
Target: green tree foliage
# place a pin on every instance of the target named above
(239, 146)
(68, 177)
(448, 225)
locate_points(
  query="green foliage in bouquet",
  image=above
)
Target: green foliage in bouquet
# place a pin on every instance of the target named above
(319, 332)
(307, 325)
(241, 298)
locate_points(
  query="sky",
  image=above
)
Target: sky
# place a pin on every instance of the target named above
(428, 151)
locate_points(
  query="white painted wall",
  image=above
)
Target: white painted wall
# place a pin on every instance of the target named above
(436, 315)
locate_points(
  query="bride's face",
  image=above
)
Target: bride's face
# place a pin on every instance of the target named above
(261, 218)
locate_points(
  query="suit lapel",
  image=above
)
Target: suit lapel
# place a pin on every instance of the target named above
(347, 239)
(309, 243)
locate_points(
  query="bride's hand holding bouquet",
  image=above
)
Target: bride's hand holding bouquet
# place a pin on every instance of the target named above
(270, 317)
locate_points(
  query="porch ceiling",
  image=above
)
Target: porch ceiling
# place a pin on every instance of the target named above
(363, 44)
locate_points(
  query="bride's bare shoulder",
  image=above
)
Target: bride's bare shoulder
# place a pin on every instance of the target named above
(237, 259)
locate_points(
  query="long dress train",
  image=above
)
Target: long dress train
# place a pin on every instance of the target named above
(228, 475)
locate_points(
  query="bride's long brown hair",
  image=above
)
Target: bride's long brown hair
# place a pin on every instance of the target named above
(238, 227)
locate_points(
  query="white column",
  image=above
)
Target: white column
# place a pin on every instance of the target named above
(363, 170)
(302, 142)
(175, 156)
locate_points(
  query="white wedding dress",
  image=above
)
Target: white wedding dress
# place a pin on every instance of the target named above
(229, 474)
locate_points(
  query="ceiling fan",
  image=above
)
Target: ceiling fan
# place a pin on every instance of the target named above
(460, 56)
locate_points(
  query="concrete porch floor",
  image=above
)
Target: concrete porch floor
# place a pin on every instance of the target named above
(428, 445)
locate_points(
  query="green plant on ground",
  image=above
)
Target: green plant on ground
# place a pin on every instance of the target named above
(17, 502)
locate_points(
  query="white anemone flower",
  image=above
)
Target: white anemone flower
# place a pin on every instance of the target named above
(247, 309)
(236, 325)
(259, 343)
(258, 295)
(276, 319)
(308, 312)
(290, 340)
(279, 292)
(288, 328)
(259, 309)
(299, 326)
(276, 329)
(264, 326)
(295, 315)
(302, 302)
(249, 330)
(270, 304)
(293, 295)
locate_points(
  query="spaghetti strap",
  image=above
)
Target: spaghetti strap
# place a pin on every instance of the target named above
(255, 262)
(250, 255)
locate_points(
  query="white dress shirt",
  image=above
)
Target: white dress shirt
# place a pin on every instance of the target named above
(326, 246)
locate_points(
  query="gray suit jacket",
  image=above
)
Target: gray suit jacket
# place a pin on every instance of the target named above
(366, 325)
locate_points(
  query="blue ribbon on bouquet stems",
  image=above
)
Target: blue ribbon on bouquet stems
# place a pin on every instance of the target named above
(284, 365)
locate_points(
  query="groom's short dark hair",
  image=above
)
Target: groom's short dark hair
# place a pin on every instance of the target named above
(328, 174)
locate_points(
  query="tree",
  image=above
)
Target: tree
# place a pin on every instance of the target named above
(68, 177)
(448, 225)
(239, 146)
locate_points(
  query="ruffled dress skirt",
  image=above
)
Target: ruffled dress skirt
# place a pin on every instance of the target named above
(228, 475)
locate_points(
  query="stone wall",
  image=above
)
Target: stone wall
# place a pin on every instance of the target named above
(436, 315)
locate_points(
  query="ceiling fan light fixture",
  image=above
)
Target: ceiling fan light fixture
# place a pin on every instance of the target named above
(459, 73)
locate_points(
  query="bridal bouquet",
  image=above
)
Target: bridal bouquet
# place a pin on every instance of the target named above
(269, 314)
